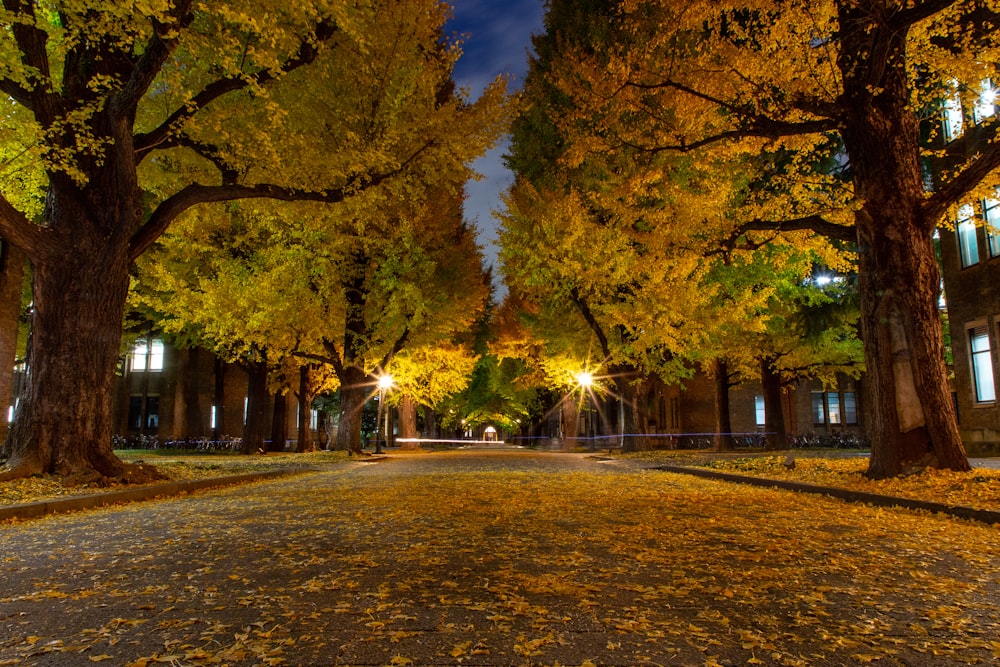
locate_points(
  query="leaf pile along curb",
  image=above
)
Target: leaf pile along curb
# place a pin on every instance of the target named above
(985, 516)
(136, 494)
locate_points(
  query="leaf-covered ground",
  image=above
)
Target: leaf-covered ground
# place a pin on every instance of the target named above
(178, 466)
(979, 488)
(524, 560)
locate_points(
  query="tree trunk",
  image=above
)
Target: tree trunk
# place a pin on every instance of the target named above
(408, 422)
(723, 421)
(65, 421)
(306, 396)
(220, 400)
(257, 404)
(430, 422)
(12, 264)
(913, 420)
(626, 428)
(192, 423)
(774, 415)
(353, 394)
(279, 423)
(570, 425)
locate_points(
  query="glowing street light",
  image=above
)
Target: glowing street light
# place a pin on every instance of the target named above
(384, 384)
(585, 380)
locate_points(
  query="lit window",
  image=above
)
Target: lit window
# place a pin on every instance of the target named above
(982, 364)
(985, 103)
(966, 229)
(211, 419)
(850, 408)
(139, 353)
(951, 118)
(833, 404)
(156, 355)
(147, 355)
(758, 404)
(991, 212)
(818, 413)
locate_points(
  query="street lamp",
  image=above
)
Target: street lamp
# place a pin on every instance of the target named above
(384, 384)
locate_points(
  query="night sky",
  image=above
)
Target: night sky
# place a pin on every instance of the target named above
(497, 38)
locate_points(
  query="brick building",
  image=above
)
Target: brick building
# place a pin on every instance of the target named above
(970, 259)
(187, 394)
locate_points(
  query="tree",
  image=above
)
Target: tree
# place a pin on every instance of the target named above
(860, 83)
(133, 114)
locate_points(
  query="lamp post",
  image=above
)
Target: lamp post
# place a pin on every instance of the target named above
(384, 384)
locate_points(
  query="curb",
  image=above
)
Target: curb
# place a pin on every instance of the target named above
(960, 511)
(137, 494)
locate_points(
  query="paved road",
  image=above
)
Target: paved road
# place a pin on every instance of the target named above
(499, 557)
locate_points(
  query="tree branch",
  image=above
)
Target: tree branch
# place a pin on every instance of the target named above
(814, 223)
(396, 347)
(161, 136)
(592, 322)
(32, 42)
(920, 11)
(157, 50)
(16, 228)
(986, 159)
(194, 194)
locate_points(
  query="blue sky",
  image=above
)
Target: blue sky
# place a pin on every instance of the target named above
(497, 38)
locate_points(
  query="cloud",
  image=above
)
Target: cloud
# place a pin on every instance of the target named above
(496, 39)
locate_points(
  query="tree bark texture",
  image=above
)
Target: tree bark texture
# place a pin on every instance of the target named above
(774, 414)
(279, 423)
(306, 396)
(408, 422)
(570, 421)
(626, 426)
(12, 264)
(723, 421)
(913, 419)
(258, 401)
(430, 422)
(353, 394)
(64, 424)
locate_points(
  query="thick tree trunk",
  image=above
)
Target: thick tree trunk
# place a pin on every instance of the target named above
(258, 399)
(430, 422)
(913, 422)
(626, 425)
(65, 421)
(353, 394)
(570, 422)
(774, 414)
(12, 264)
(279, 423)
(191, 423)
(723, 421)
(408, 422)
(219, 429)
(306, 396)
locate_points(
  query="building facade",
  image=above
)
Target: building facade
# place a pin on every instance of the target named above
(185, 396)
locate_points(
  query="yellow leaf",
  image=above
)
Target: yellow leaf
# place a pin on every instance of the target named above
(99, 658)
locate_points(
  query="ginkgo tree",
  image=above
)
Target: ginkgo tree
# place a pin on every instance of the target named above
(325, 287)
(859, 85)
(132, 113)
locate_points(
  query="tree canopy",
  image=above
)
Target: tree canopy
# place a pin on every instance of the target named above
(128, 115)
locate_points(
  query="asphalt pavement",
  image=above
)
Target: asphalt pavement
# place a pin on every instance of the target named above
(498, 557)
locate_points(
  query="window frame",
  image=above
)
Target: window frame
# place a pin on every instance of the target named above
(967, 235)
(981, 366)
